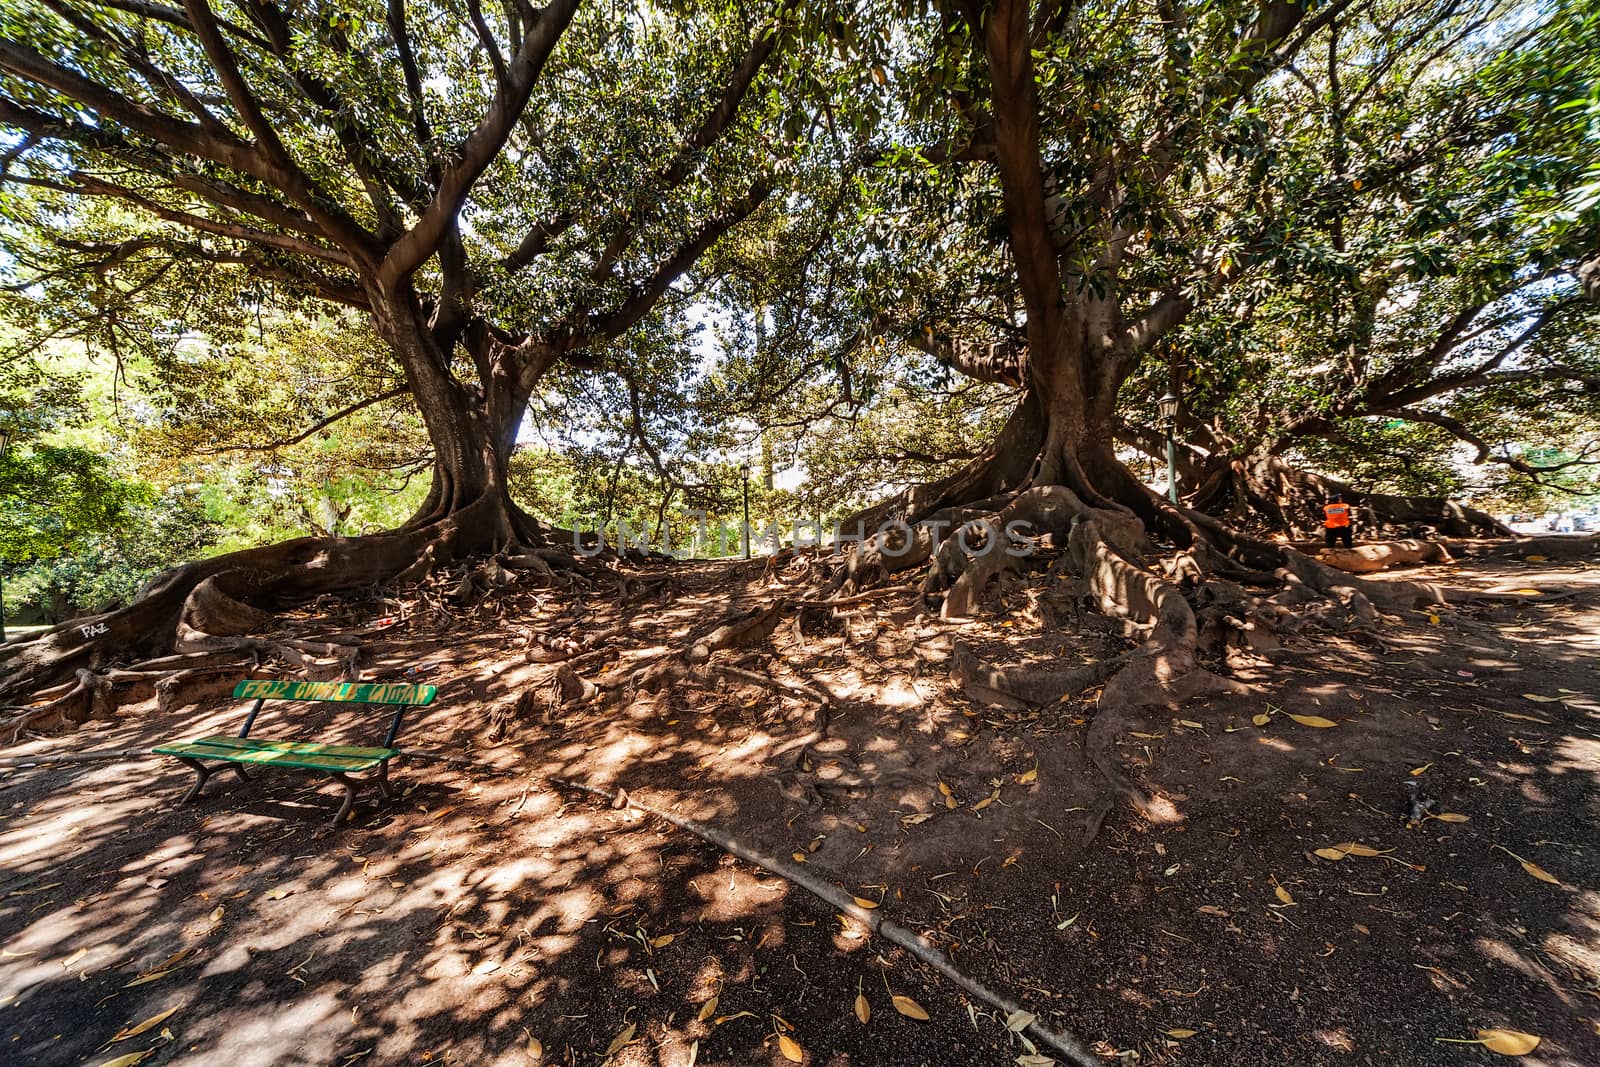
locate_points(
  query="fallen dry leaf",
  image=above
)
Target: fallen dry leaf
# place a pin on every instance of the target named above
(1283, 894)
(1508, 1042)
(1451, 816)
(1538, 699)
(1018, 1020)
(790, 1048)
(663, 941)
(1531, 867)
(863, 1009)
(1028, 776)
(1312, 720)
(622, 1038)
(1355, 848)
(708, 1009)
(149, 1024)
(1261, 719)
(1180, 1033)
(863, 902)
(908, 1007)
(1330, 854)
(130, 1059)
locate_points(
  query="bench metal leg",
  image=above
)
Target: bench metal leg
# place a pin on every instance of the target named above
(202, 772)
(383, 781)
(350, 788)
(238, 768)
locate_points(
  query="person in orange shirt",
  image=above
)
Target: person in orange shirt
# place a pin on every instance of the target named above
(1336, 522)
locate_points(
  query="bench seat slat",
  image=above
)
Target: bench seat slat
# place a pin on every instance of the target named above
(305, 760)
(229, 741)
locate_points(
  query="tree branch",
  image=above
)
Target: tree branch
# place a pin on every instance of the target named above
(646, 295)
(481, 146)
(320, 424)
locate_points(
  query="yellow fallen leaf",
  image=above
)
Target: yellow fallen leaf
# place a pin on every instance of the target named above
(216, 915)
(1283, 894)
(535, 1048)
(1508, 1042)
(1418, 772)
(950, 802)
(1261, 719)
(863, 902)
(1191, 724)
(1028, 776)
(790, 1048)
(130, 1059)
(798, 857)
(1312, 720)
(1536, 559)
(908, 1007)
(1527, 592)
(1180, 1034)
(1531, 867)
(944, 788)
(1450, 816)
(622, 1038)
(153, 976)
(1539, 872)
(74, 958)
(149, 1024)
(1330, 854)
(663, 941)
(1540, 699)
(280, 892)
(863, 1009)
(1355, 848)
(709, 1008)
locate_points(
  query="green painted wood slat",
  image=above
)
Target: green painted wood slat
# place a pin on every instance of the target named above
(305, 761)
(339, 692)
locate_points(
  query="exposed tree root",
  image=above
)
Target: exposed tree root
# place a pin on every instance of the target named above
(214, 619)
(1370, 558)
(1266, 489)
(1195, 603)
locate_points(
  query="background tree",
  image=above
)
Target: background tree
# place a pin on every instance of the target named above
(489, 220)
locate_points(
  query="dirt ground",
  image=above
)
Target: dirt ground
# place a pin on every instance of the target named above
(490, 918)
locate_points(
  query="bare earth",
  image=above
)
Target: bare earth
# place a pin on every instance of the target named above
(489, 916)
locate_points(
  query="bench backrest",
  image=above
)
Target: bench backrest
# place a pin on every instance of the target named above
(339, 692)
(395, 694)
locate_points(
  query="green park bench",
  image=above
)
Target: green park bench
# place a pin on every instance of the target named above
(337, 761)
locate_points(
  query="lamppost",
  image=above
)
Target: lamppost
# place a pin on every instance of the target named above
(5, 446)
(1169, 413)
(744, 473)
